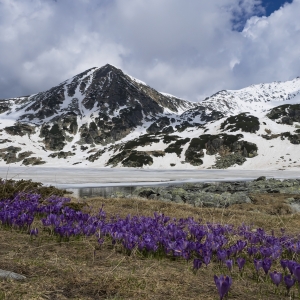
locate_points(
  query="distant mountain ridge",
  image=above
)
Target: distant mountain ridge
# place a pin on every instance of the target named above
(104, 117)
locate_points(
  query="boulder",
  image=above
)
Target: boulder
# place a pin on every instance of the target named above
(11, 275)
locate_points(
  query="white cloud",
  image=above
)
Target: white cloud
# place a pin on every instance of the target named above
(186, 48)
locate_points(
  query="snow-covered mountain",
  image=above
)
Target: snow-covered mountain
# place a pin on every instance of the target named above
(104, 117)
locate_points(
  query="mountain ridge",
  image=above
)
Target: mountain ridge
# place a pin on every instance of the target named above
(104, 117)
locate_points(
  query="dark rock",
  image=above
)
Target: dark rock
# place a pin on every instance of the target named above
(159, 125)
(229, 160)
(33, 161)
(10, 154)
(272, 191)
(261, 178)
(177, 146)
(145, 193)
(142, 141)
(287, 113)
(96, 156)
(243, 122)
(194, 153)
(137, 159)
(54, 137)
(168, 130)
(61, 154)
(20, 129)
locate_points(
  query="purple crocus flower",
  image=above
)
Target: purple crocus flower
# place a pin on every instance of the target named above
(197, 263)
(223, 284)
(206, 259)
(241, 262)
(276, 277)
(222, 254)
(252, 250)
(265, 251)
(266, 264)
(257, 264)
(296, 272)
(289, 281)
(229, 264)
(34, 232)
(276, 252)
(284, 263)
(291, 264)
(241, 245)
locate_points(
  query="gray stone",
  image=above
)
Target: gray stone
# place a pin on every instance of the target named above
(177, 199)
(290, 200)
(153, 197)
(11, 275)
(261, 178)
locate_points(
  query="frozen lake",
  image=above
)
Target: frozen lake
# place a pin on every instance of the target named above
(91, 182)
(105, 177)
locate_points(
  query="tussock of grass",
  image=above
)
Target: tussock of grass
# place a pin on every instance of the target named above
(10, 187)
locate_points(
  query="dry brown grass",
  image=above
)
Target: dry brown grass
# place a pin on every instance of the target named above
(79, 270)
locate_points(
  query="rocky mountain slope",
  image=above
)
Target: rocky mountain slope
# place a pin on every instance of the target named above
(104, 117)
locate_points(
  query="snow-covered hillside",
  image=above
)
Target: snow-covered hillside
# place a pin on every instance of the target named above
(106, 118)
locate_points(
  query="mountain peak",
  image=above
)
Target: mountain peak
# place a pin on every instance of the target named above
(110, 67)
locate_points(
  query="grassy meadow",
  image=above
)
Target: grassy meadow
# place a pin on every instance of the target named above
(81, 268)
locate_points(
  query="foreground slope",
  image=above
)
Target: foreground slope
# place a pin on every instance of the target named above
(104, 117)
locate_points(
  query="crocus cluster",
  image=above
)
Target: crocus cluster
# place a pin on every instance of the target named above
(187, 238)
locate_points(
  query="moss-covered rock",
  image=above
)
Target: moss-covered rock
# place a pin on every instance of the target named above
(142, 141)
(137, 159)
(293, 138)
(224, 162)
(96, 155)
(33, 161)
(243, 122)
(61, 154)
(286, 114)
(54, 137)
(10, 154)
(20, 129)
(194, 152)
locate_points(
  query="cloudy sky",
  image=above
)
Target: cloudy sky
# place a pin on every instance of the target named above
(189, 48)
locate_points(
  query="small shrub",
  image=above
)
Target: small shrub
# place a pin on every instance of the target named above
(268, 131)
